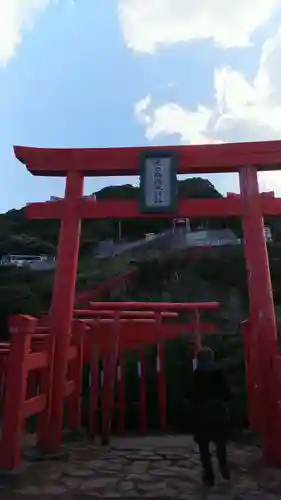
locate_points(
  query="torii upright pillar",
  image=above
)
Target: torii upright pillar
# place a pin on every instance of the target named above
(262, 314)
(63, 305)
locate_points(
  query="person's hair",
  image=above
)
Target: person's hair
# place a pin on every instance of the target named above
(205, 355)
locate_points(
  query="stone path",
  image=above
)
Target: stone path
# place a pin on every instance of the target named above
(152, 467)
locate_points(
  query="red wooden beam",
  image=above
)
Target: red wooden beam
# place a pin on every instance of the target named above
(155, 306)
(91, 322)
(72, 352)
(45, 210)
(37, 360)
(139, 334)
(129, 209)
(34, 405)
(88, 313)
(186, 208)
(69, 387)
(197, 159)
(270, 205)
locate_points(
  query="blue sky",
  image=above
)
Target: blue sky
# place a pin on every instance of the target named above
(87, 73)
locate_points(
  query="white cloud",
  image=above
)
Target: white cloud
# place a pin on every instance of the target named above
(15, 17)
(244, 111)
(171, 119)
(141, 109)
(147, 24)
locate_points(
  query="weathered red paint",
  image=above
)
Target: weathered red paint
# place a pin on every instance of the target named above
(16, 382)
(110, 357)
(121, 392)
(261, 309)
(156, 306)
(122, 209)
(211, 158)
(75, 366)
(142, 391)
(160, 360)
(253, 383)
(93, 360)
(197, 331)
(103, 313)
(134, 334)
(63, 304)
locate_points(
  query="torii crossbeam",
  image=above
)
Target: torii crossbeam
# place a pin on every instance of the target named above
(246, 159)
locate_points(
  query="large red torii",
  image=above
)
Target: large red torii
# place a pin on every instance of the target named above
(246, 159)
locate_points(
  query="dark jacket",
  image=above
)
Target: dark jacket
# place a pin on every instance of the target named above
(209, 393)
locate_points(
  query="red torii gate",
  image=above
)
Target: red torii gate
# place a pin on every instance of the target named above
(112, 332)
(111, 337)
(246, 159)
(131, 337)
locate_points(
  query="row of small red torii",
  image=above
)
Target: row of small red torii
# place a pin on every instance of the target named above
(246, 159)
(115, 331)
(26, 368)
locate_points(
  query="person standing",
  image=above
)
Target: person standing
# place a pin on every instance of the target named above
(209, 394)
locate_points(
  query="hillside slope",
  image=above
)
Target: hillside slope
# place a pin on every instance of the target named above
(29, 292)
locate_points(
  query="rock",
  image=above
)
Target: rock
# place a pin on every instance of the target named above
(186, 496)
(54, 490)
(98, 482)
(94, 464)
(29, 490)
(81, 473)
(190, 476)
(113, 466)
(160, 472)
(139, 477)
(185, 463)
(152, 486)
(161, 464)
(145, 453)
(176, 470)
(139, 467)
(55, 474)
(183, 486)
(173, 457)
(155, 458)
(134, 456)
(219, 496)
(111, 494)
(161, 494)
(126, 485)
(71, 482)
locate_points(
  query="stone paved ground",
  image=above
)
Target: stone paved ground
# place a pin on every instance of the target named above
(154, 467)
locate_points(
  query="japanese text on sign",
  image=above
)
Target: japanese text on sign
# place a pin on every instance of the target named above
(158, 189)
(158, 183)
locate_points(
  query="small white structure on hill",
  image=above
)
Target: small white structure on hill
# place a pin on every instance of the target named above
(181, 224)
(267, 233)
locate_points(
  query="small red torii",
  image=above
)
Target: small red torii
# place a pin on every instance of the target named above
(113, 331)
(246, 159)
